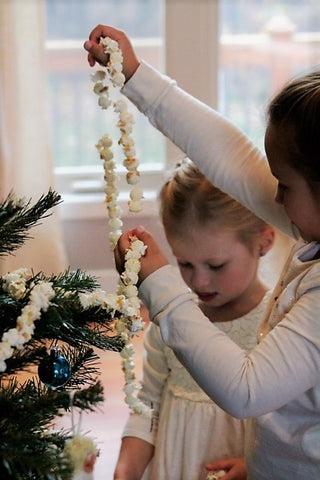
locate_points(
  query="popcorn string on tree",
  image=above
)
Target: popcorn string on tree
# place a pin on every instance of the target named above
(37, 295)
(126, 326)
(39, 300)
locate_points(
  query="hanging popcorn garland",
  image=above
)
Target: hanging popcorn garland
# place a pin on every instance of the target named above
(215, 475)
(14, 284)
(104, 81)
(114, 74)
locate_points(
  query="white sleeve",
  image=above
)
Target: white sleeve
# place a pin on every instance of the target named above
(282, 367)
(221, 151)
(155, 372)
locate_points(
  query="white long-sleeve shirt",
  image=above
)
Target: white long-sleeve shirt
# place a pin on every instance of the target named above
(279, 382)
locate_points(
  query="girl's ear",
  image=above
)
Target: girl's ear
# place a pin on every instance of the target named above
(267, 237)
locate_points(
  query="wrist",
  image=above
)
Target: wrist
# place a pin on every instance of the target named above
(125, 475)
(149, 269)
(131, 68)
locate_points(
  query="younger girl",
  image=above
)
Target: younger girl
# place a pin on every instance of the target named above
(217, 244)
(278, 383)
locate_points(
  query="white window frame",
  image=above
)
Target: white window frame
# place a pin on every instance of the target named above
(191, 52)
(192, 44)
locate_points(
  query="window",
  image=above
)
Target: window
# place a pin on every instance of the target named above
(232, 54)
(262, 45)
(77, 121)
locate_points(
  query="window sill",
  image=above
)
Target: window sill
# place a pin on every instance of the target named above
(91, 206)
(81, 190)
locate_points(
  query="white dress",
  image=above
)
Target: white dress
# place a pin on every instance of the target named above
(192, 430)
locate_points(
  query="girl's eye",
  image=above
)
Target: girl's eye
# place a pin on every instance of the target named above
(216, 267)
(184, 265)
(189, 266)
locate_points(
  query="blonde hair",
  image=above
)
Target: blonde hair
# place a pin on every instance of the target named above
(188, 199)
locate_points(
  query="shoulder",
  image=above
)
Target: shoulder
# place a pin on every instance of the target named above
(308, 268)
(310, 281)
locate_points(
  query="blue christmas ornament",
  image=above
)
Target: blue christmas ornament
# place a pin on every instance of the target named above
(54, 370)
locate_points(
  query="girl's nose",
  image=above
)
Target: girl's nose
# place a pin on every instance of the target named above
(200, 279)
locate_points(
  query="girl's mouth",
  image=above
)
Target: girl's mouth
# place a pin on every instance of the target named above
(206, 297)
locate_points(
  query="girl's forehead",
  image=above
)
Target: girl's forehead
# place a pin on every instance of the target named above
(204, 237)
(204, 247)
(211, 228)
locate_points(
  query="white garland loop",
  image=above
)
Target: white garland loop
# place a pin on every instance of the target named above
(127, 325)
(39, 300)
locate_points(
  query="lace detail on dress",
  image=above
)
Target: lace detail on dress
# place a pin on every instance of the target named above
(243, 331)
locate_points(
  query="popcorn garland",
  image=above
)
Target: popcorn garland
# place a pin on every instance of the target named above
(130, 322)
(127, 325)
(215, 475)
(39, 300)
(40, 294)
(117, 79)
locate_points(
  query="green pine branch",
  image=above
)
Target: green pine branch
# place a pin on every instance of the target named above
(17, 217)
(65, 320)
(29, 449)
(72, 281)
(32, 354)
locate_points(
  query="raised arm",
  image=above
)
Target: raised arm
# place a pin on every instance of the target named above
(221, 151)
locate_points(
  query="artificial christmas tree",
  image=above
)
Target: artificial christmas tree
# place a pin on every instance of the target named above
(53, 326)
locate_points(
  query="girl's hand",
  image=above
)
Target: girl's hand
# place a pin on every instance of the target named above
(153, 259)
(235, 468)
(96, 53)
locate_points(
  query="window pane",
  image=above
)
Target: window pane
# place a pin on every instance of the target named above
(263, 43)
(77, 121)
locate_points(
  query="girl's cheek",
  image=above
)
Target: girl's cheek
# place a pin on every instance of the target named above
(186, 278)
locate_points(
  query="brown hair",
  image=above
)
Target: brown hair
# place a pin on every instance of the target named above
(296, 109)
(188, 199)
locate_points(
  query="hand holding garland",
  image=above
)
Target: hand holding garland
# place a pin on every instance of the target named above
(227, 469)
(153, 259)
(97, 53)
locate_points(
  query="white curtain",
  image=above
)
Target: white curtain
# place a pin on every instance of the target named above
(26, 164)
